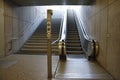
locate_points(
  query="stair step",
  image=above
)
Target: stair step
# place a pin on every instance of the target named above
(73, 41)
(53, 34)
(38, 44)
(73, 35)
(73, 38)
(72, 31)
(41, 37)
(73, 45)
(74, 52)
(39, 47)
(34, 43)
(37, 41)
(74, 48)
(34, 47)
(38, 50)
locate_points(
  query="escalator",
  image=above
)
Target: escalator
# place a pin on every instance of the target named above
(37, 43)
(77, 66)
(73, 41)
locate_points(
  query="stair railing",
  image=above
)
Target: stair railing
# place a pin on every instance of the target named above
(62, 38)
(89, 46)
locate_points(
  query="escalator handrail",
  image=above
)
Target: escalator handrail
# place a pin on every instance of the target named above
(89, 45)
(63, 29)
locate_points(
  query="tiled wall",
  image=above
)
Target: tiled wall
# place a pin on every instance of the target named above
(1, 28)
(102, 22)
(19, 24)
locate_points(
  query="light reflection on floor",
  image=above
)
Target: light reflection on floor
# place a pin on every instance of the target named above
(81, 68)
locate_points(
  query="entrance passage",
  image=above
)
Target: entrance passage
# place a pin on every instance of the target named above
(77, 66)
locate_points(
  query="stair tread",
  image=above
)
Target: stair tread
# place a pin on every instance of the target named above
(73, 41)
(35, 43)
(23, 49)
(73, 44)
(73, 52)
(38, 46)
(73, 47)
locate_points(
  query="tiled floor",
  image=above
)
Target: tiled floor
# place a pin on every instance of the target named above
(27, 67)
(34, 67)
(76, 68)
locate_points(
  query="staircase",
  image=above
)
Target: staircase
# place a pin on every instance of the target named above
(37, 43)
(73, 42)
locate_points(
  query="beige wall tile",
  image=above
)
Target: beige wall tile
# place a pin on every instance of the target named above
(97, 27)
(100, 4)
(102, 58)
(112, 1)
(8, 25)
(15, 27)
(8, 9)
(8, 33)
(2, 49)
(114, 39)
(1, 4)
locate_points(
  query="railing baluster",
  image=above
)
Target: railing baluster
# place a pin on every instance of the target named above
(49, 55)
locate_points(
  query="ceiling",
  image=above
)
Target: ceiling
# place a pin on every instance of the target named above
(52, 2)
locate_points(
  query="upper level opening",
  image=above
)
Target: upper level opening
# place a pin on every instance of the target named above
(52, 2)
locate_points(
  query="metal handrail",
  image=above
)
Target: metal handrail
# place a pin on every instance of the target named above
(64, 28)
(89, 45)
(60, 32)
(62, 38)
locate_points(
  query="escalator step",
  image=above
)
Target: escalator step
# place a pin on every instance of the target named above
(74, 52)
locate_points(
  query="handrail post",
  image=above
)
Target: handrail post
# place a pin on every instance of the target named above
(49, 55)
(62, 50)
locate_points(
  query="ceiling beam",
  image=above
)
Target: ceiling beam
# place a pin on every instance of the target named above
(52, 2)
